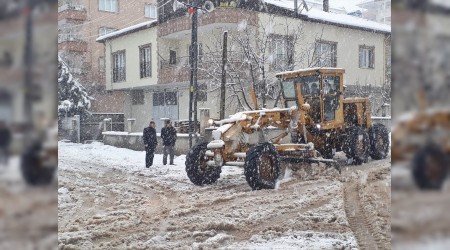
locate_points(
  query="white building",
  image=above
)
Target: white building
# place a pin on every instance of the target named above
(338, 7)
(377, 10)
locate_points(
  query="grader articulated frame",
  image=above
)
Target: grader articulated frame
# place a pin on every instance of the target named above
(319, 120)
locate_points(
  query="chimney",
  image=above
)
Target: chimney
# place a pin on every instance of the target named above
(326, 5)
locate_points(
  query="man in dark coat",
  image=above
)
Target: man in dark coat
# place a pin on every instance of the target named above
(5, 141)
(169, 137)
(150, 142)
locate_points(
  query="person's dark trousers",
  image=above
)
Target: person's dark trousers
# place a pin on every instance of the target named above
(168, 150)
(4, 155)
(149, 154)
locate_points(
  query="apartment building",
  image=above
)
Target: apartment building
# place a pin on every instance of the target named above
(309, 39)
(80, 22)
(43, 69)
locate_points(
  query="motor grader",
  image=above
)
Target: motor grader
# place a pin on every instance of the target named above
(319, 120)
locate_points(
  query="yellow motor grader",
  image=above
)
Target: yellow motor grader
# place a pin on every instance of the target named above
(319, 120)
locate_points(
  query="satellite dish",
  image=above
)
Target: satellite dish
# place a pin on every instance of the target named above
(208, 6)
(177, 5)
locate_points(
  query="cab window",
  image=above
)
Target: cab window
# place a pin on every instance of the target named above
(288, 89)
(310, 85)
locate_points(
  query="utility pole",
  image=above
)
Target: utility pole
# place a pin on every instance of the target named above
(326, 5)
(296, 8)
(193, 80)
(28, 58)
(224, 76)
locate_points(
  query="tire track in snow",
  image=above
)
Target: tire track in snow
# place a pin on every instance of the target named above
(356, 218)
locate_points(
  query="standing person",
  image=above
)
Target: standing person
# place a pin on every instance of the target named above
(169, 137)
(5, 141)
(150, 142)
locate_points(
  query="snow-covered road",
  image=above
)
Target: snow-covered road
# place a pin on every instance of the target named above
(108, 199)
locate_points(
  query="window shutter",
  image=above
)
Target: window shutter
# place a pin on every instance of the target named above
(360, 57)
(334, 55)
(372, 59)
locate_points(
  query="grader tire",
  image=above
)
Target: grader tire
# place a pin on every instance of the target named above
(262, 166)
(197, 169)
(430, 167)
(379, 141)
(356, 145)
(327, 152)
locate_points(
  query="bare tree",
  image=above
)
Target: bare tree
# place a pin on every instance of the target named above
(256, 54)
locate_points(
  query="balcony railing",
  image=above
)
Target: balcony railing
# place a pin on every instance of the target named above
(205, 59)
(119, 74)
(69, 38)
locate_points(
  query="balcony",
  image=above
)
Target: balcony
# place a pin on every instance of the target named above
(220, 18)
(73, 12)
(179, 70)
(203, 59)
(72, 45)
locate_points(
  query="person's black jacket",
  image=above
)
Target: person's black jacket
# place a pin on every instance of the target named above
(5, 137)
(169, 136)
(150, 138)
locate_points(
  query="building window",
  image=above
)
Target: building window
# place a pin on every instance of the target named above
(325, 54)
(145, 61)
(202, 93)
(150, 11)
(282, 52)
(137, 97)
(119, 66)
(108, 5)
(101, 63)
(172, 57)
(164, 98)
(105, 30)
(366, 57)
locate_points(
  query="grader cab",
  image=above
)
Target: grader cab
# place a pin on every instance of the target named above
(316, 117)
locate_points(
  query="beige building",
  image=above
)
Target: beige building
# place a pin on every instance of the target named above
(313, 39)
(80, 22)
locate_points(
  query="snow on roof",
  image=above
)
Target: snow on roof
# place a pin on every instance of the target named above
(129, 29)
(306, 70)
(340, 19)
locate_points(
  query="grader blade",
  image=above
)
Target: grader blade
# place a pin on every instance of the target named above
(327, 162)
